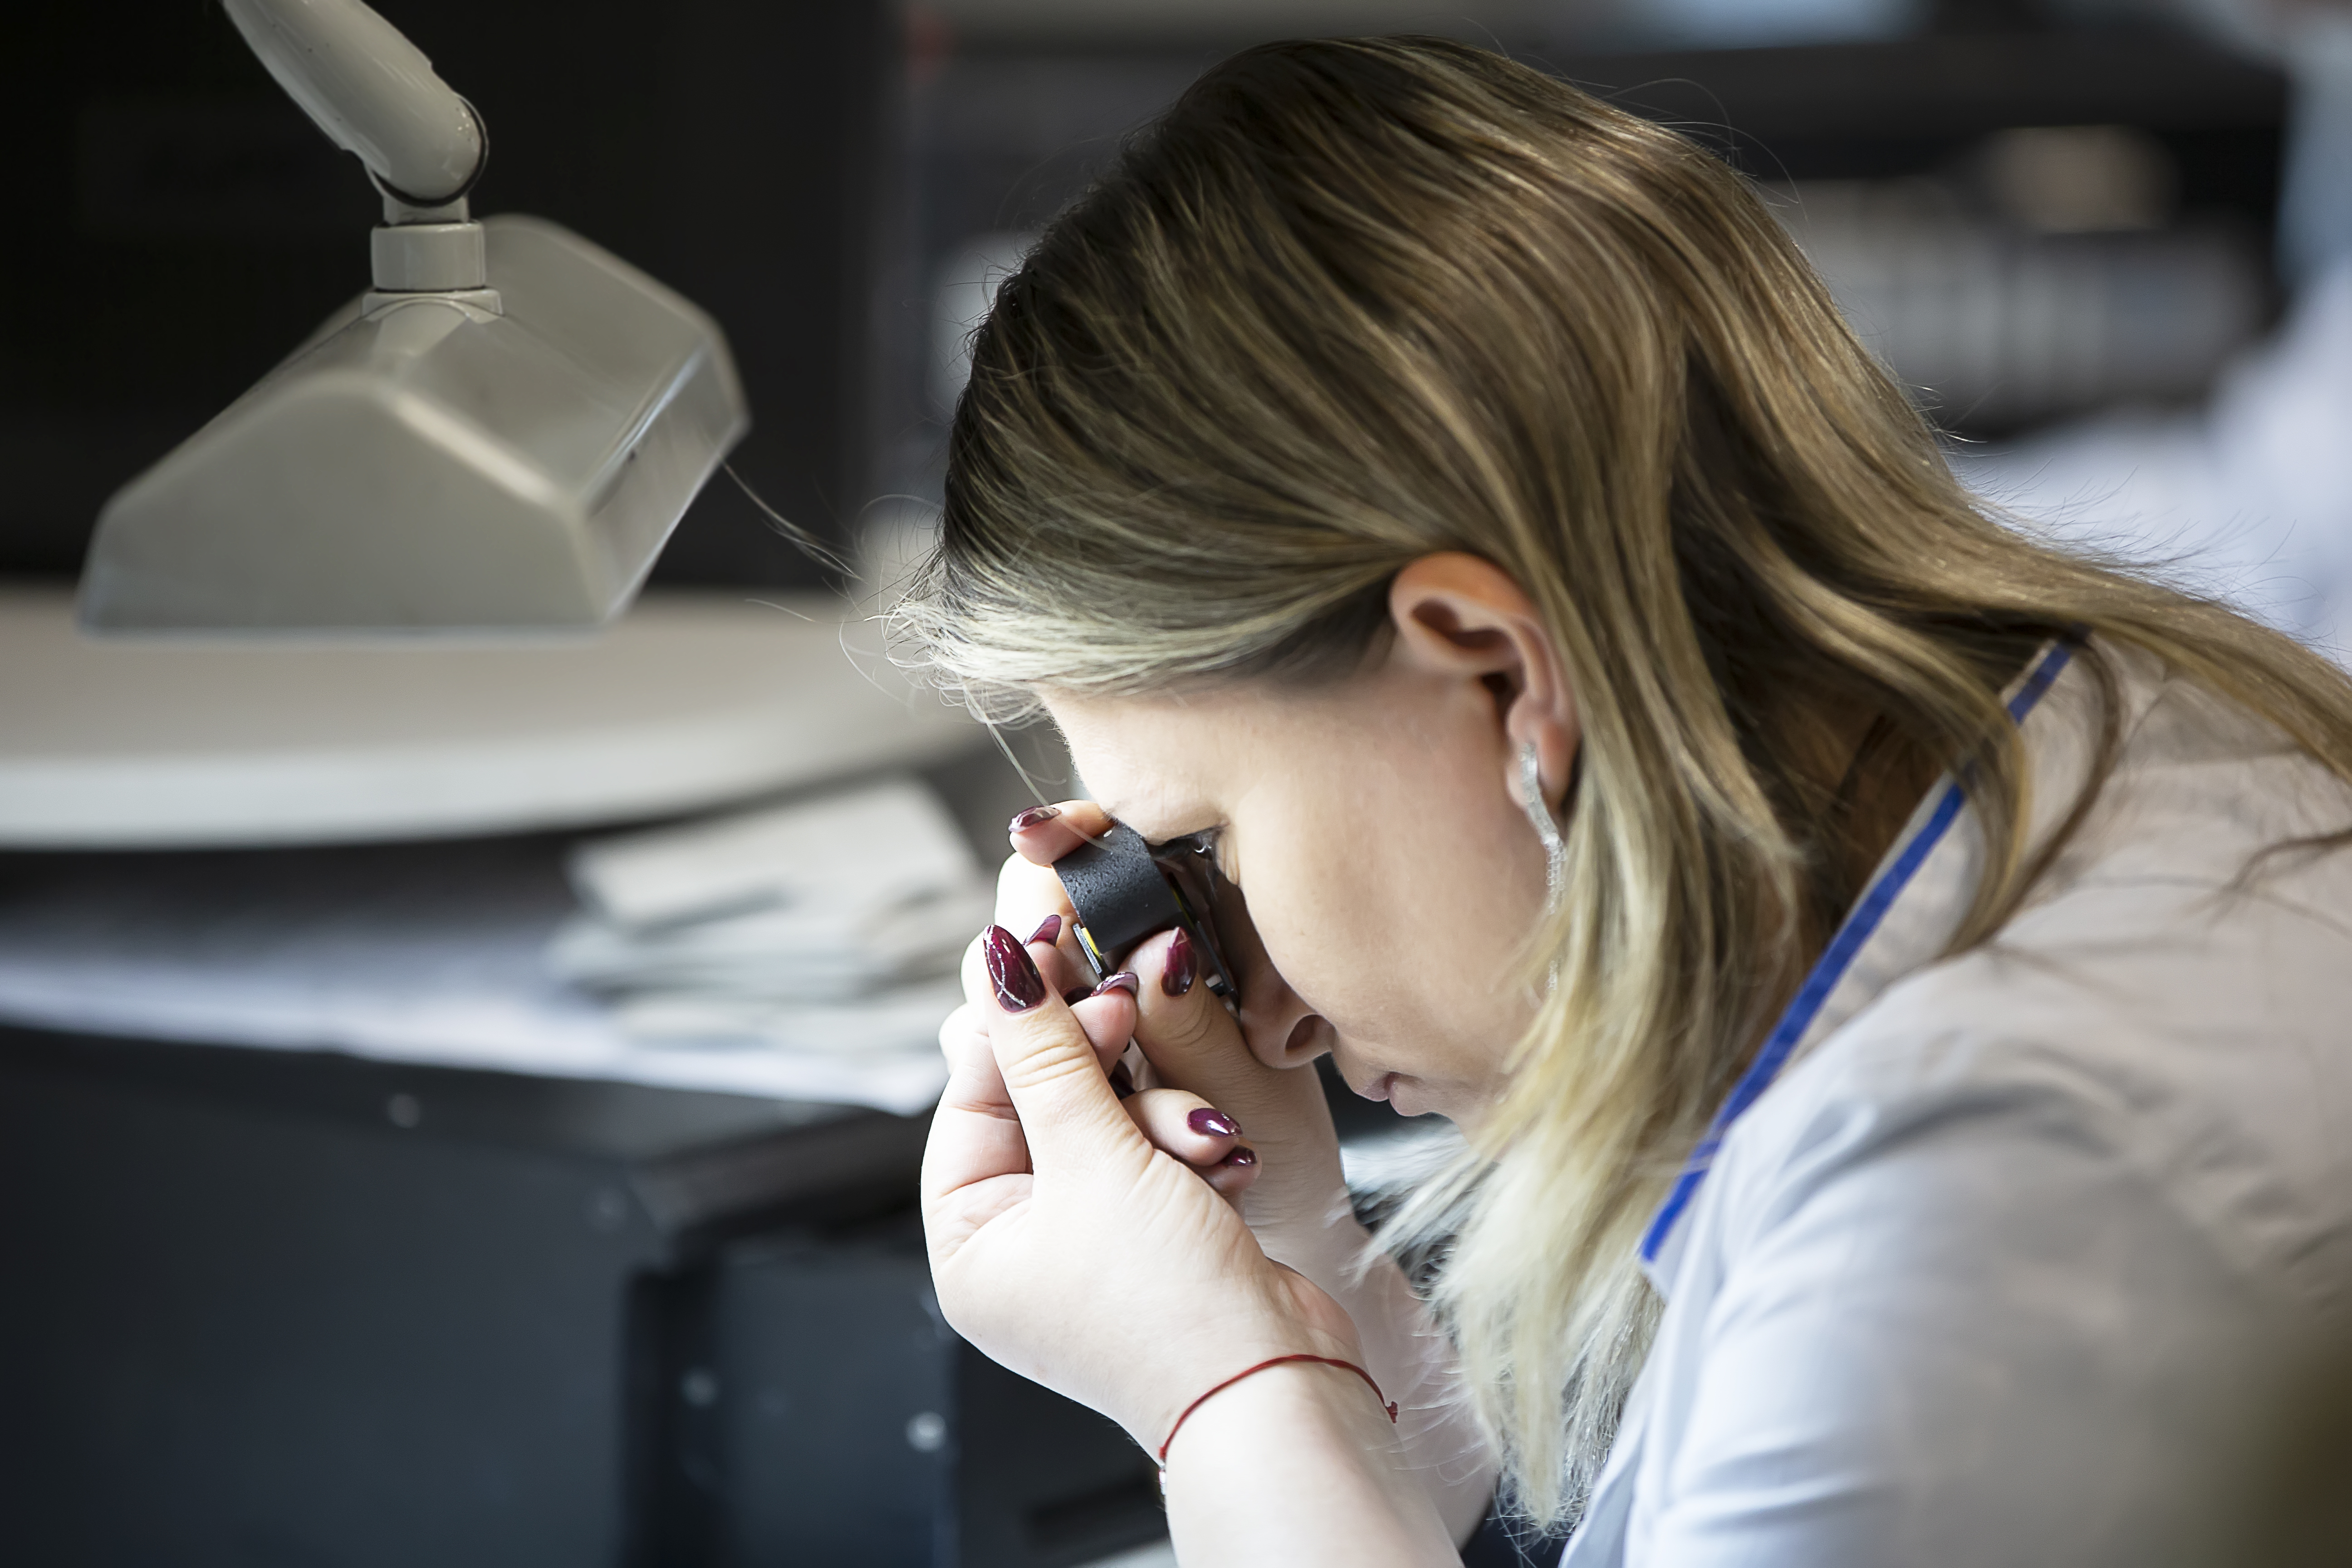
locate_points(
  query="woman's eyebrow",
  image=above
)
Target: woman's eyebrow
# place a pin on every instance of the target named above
(1158, 839)
(1149, 834)
(1145, 817)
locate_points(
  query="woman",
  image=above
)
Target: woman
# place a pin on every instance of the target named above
(1890, 976)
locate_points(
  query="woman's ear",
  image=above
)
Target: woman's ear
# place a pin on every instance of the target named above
(1459, 616)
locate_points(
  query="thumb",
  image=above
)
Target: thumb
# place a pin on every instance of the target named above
(1052, 1075)
(1193, 1043)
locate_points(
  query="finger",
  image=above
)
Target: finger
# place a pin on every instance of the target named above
(973, 971)
(1068, 1110)
(963, 1040)
(1062, 973)
(1108, 1015)
(975, 1137)
(1031, 904)
(1233, 1175)
(1194, 1043)
(1179, 1122)
(993, 1144)
(1043, 834)
(1191, 1038)
(1188, 1127)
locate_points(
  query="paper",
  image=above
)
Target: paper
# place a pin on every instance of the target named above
(831, 925)
(866, 848)
(440, 954)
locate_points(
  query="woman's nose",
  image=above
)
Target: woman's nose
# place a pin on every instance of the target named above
(1282, 1030)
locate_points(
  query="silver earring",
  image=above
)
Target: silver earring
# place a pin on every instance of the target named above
(1531, 800)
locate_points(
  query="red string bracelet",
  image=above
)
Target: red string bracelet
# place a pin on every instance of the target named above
(1386, 1403)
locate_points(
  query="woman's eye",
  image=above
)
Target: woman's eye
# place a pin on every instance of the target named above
(1210, 847)
(1203, 844)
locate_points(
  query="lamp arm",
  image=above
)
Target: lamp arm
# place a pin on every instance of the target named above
(373, 93)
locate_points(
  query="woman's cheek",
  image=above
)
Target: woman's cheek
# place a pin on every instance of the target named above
(1317, 966)
(1323, 929)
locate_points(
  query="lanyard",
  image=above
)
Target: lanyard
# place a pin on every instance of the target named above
(1830, 968)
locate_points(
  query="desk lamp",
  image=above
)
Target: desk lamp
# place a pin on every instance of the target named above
(498, 436)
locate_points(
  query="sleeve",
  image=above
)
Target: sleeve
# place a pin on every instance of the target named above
(1987, 1341)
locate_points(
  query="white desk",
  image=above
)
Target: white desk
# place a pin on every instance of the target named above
(691, 701)
(396, 948)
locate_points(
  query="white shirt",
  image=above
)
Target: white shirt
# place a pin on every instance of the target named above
(2001, 1267)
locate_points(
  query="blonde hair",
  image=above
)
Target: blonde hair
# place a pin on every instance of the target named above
(1351, 302)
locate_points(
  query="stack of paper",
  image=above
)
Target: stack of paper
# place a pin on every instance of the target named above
(833, 925)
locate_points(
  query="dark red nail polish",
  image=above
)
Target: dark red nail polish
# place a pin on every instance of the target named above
(1019, 987)
(1176, 974)
(1211, 1123)
(1032, 816)
(1049, 930)
(1123, 981)
(1075, 994)
(1243, 1154)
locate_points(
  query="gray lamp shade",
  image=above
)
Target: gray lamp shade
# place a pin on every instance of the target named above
(499, 458)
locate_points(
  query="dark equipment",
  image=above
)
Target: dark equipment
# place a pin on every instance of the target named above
(271, 1308)
(1124, 889)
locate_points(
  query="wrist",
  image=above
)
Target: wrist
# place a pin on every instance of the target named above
(1327, 1395)
(1191, 1373)
(1299, 1464)
(1306, 1224)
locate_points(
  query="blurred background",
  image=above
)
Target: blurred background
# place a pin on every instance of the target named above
(459, 1101)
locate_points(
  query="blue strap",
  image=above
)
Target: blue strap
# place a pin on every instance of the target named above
(1858, 926)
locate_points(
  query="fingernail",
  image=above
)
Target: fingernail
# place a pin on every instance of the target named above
(1243, 1154)
(1019, 987)
(1075, 994)
(1024, 821)
(1211, 1123)
(1049, 930)
(1123, 981)
(1176, 974)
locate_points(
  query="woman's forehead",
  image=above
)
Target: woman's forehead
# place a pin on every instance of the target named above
(1147, 760)
(1168, 766)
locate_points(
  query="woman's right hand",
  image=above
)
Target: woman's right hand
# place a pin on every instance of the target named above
(1068, 1247)
(1066, 1244)
(1294, 1192)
